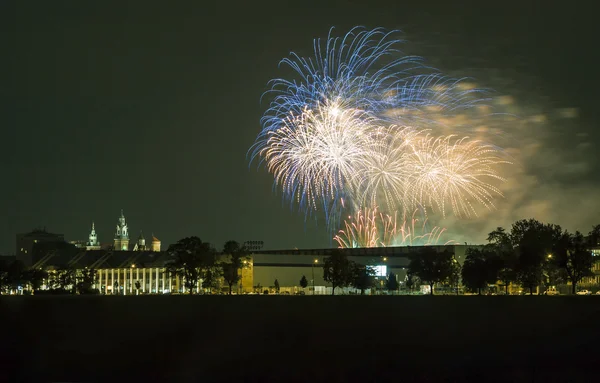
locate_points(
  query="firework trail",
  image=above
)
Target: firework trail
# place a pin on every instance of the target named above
(371, 228)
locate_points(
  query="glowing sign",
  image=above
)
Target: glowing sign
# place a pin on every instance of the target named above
(380, 271)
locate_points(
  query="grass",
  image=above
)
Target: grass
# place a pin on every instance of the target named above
(301, 338)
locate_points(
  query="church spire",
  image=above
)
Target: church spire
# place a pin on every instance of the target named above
(121, 234)
(93, 243)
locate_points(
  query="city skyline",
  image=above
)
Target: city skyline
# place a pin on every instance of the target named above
(154, 109)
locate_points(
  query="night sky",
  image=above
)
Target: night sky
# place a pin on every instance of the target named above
(151, 107)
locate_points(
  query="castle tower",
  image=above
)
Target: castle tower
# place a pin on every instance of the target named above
(93, 243)
(122, 235)
(141, 242)
(155, 243)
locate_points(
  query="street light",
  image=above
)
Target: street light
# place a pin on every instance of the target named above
(242, 277)
(313, 274)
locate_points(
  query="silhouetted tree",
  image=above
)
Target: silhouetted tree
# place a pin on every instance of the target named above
(479, 269)
(36, 277)
(533, 242)
(230, 274)
(594, 236)
(231, 270)
(454, 277)
(338, 270)
(412, 281)
(12, 275)
(501, 244)
(303, 282)
(362, 277)
(210, 278)
(431, 266)
(524, 253)
(572, 255)
(65, 278)
(391, 284)
(85, 280)
(276, 284)
(191, 258)
(138, 286)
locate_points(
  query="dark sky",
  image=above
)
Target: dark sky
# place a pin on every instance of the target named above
(150, 107)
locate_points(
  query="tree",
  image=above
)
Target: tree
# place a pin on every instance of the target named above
(455, 272)
(191, 258)
(479, 269)
(362, 277)
(533, 242)
(65, 278)
(303, 282)
(237, 255)
(230, 274)
(12, 275)
(138, 286)
(431, 266)
(36, 278)
(86, 279)
(594, 236)
(210, 279)
(391, 284)
(412, 281)
(3, 276)
(524, 253)
(337, 270)
(276, 284)
(572, 255)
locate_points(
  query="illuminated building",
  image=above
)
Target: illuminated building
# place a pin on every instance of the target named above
(141, 243)
(593, 282)
(92, 243)
(121, 235)
(143, 271)
(155, 243)
(288, 266)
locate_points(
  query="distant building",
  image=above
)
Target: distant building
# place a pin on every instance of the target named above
(78, 244)
(141, 243)
(155, 243)
(26, 242)
(92, 243)
(593, 282)
(121, 235)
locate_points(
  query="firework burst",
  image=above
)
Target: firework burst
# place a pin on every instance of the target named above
(448, 170)
(357, 127)
(314, 154)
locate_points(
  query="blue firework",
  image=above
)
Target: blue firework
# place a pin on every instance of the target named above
(363, 72)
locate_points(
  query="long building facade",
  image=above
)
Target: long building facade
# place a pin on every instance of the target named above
(289, 266)
(144, 272)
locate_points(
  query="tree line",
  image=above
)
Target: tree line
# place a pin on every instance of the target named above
(531, 254)
(194, 260)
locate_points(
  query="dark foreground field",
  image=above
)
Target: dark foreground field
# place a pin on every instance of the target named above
(300, 339)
